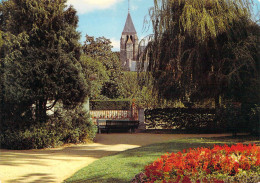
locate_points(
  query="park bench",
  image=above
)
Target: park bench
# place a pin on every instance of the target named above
(108, 124)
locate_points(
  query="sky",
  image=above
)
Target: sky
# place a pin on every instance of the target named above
(107, 17)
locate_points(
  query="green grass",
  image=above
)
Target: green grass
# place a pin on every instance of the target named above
(122, 167)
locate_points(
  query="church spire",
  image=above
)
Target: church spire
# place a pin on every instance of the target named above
(128, 6)
(129, 26)
(129, 44)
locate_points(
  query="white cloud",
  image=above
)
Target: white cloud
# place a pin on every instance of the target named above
(115, 43)
(86, 6)
(133, 7)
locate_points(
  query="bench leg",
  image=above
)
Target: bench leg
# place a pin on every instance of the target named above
(99, 130)
(131, 130)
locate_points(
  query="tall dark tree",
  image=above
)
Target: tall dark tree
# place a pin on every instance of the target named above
(203, 48)
(40, 57)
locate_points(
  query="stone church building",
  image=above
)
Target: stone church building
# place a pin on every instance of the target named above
(129, 46)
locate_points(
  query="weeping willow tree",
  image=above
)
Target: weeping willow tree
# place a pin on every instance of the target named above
(203, 48)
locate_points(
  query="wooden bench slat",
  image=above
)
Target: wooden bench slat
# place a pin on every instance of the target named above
(117, 124)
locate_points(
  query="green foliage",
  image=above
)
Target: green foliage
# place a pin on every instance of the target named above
(96, 72)
(75, 125)
(110, 104)
(232, 118)
(245, 177)
(36, 137)
(99, 48)
(187, 119)
(203, 49)
(70, 126)
(102, 67)
(39, 57)
(129, 85)
(139, 87)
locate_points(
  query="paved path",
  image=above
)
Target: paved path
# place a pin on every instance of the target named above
(55, 165)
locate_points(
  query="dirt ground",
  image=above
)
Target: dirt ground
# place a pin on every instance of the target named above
(57, 164)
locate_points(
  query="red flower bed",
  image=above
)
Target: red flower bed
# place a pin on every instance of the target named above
(204, 165)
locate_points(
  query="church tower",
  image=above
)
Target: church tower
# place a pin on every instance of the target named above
(129, 45)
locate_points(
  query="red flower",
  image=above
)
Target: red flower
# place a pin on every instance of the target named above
(222, 159)
(186, 180)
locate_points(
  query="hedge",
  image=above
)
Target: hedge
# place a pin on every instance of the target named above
(110, 104)
(180, 118)
(188, 120)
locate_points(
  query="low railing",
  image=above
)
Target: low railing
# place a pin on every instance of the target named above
(114, 114)
(111, 114)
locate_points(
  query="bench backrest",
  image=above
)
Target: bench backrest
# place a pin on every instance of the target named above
(122, 123)
(119, 123)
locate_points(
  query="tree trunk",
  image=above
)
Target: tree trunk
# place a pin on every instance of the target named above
(41, 111)
(217, 101)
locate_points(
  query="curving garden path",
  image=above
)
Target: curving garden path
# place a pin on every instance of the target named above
(57, 164)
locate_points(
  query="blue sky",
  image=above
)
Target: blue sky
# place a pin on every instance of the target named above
(107, 18)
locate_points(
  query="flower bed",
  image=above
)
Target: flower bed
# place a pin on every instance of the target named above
(238, 163)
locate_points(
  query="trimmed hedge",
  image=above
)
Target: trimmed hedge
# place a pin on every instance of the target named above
(110, 105)
(199, 120)
(181, 118)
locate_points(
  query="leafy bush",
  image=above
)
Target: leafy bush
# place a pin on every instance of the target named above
(37, 137)
(110, 104)
(74, 126)
(221, 164)
(181, 118)
(232, 119)
(68, 126)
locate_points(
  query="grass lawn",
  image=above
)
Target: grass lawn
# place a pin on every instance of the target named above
(122, 167)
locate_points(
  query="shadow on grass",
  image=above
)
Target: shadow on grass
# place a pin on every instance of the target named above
(142, 139)
(101, 180)
(171, 146)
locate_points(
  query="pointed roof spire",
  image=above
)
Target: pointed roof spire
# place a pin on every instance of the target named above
(128, 6)
(129, 26)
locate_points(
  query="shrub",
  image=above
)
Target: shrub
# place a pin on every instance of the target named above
(110, 104)
(36, 137)
(181, 118)
(232, 119)
(67, 126)
(74, 125)
(221, 164)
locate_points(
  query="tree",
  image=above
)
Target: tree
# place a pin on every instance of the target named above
(96, 73)
(202, 49)
(107, 68)
(40, 57)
